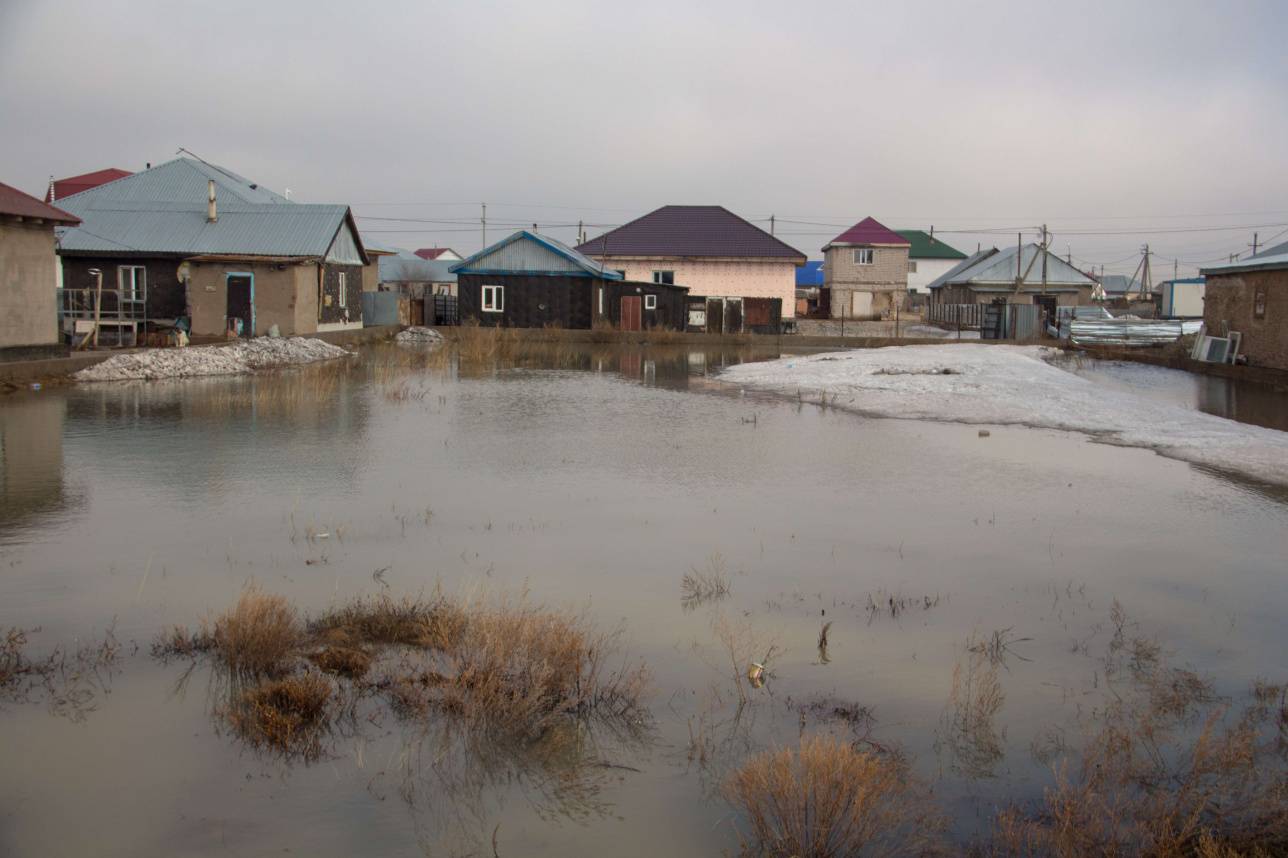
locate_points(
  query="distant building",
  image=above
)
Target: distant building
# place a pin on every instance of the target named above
(928, 258)
(1250, 296)
(529, 280)
(865, 271)
(28, 274)
(1182, 298)
(1118, 287)
(990, 275)
(416, 276)
(712, 252)
(60, 188)
(446, 254)
(809, 289)
(188, 239)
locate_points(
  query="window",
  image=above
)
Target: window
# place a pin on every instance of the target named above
(493, 299)
(862, 256)
(132, 280)
(650, 302)
(1259, 303)
(344, 291)
(667, 277)
(912, 266)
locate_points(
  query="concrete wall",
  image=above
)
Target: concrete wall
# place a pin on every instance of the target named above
(927, 271)
(1229, 305)
(723, 278)
(28, 279)
(861, 291)
(279, 293)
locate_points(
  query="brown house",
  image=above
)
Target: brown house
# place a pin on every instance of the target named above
(187, 242)
(28, 275)
(1250, 297)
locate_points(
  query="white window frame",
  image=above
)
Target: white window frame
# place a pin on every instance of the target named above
(864, 255)
(659, 277)
(344, 290)
(601, 300)
(650, 302)
(493, 299)
(912, 266)
(138, 275)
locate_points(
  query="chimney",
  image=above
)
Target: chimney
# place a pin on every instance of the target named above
(51, 190)
(212, 214)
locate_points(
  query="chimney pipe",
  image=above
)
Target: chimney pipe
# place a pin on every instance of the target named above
(52, 197)
(212, 213)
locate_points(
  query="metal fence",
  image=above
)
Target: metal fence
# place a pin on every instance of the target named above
(956, 315)
(1127, 332)
(993, 321)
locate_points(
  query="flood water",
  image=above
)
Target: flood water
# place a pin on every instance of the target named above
(595, 479)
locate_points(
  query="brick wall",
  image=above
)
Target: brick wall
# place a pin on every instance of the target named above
(888, 271)
(1229, 305)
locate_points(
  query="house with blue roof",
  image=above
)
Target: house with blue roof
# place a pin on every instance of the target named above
(189, 242)
(809, 289)
(529, 280)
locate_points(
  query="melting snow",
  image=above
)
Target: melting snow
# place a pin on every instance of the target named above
(240, 357)
(1016, 385)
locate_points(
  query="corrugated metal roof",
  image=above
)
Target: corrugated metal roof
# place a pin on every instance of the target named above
(969, 262)
(83, 182)
(510, 255)
(407, 267)
(1119, 284)
(998, 267)
(163, 211)
(810, 274)
(690, 231)
(1260, 262)
(926, 246)
(868, 231)
(15, 203)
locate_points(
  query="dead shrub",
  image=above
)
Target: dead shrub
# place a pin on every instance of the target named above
(344, 661)
(830, 799)
(288, 715)
(415, 622)
(260, 634)
(178, 642)
(967, 726)
(706, 584)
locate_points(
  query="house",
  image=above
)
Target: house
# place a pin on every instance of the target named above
(743, 271)
(444, 254)
(28, 275)
(375, 252)
(1118, 287)
(928, 258)
(1182, 298)
(190, 240)
(990, 276)
(1250, 296)
(415, 276)
(866, 271)
(59, 188)
(530, 281)
(809, 289)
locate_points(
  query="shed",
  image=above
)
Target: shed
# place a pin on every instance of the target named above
(1250, 297)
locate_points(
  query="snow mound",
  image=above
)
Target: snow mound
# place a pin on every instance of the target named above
(1016, 385)
(418, 336)
(240, 357)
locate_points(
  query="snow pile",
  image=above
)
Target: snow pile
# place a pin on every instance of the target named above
(1016, 385)
(240, 357)
(418, 336)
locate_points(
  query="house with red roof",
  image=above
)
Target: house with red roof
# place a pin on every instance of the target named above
(60, 188)
(866, 271)
(442, 254)
(746, 276)
(28, 274)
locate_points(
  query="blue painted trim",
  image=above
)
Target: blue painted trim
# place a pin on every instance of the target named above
(591, 270)
(251, 275)
(503, 272)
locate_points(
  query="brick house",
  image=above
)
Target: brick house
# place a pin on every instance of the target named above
(865, 270)
(28, 275)
(1251, 296)
(709, 250)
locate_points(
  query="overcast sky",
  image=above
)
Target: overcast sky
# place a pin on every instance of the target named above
(1112, 118)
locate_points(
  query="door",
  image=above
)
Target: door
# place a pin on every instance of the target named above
(1048, 305)
(715, 316)
(241, 305)
(631, 313)
(860, 305)
(733, 316)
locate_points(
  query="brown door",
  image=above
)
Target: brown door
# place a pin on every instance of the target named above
(631, 312)
(715, 316)
(418, 311)
(241, 305)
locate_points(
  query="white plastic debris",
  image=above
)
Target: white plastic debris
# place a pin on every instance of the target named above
(240, 357)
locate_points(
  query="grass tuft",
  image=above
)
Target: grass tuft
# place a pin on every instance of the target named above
(288, 715)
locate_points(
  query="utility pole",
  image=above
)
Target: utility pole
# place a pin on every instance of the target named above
(484, 222)
(581, 233)
(1044, 259)
(1254, 244)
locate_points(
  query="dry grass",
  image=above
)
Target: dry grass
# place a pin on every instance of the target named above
(259, 636)
(828, 799)
(350, 662)
(383, 620)
(704, 585)
(288, 715)
(70, 681)
(968, 726)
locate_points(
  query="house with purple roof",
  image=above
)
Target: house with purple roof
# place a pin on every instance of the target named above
(866, 271)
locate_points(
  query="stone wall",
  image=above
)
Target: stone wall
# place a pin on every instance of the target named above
(28, 280)
(1230, 304)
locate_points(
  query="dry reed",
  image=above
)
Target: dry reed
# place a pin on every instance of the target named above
(288, 715)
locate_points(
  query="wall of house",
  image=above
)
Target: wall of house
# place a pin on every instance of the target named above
(730, 278)
(531, 300)
(927, 271)
(1229, 305)
(331, 310)
(670, 312)
(276, 297)
(165, 300)
(888, 271)
(28, 279)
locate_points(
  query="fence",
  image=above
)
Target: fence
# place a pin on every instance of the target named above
(108, 316)
(1127, 332)
(956, 315)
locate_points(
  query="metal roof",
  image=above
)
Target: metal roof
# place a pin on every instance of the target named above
(1260, 262)
(1119, 284)
(495, 260)
(406, 267)
(810, 274)
(15, 203)
(869, 231)
(691, 231)
(926, 246)
(998, 267)
(163, 211)
(83, 182)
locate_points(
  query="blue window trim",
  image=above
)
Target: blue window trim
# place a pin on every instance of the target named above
(251, 275)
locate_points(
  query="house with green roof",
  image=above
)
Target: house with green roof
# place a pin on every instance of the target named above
(928, 258)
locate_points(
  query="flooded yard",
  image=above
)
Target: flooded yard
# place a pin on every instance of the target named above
(969, 602)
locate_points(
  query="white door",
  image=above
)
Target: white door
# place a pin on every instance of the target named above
(860, 304)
